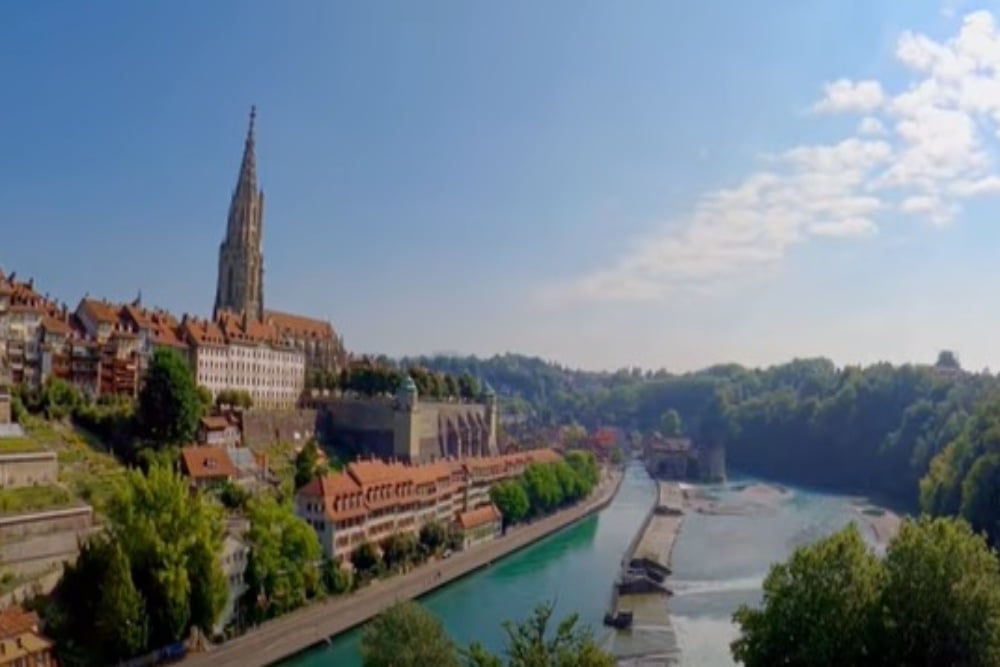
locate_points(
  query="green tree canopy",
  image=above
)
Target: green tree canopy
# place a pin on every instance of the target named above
(407, 635)
(399, 550)
(934, 600)
(285, 559)
(941, 597)
(670, 423)
(169, 403)
(307, 464)
(171, 538)
(366, 559)
(531, 644)
(152, 576)
(433, 536)
(511, 499)
(817, 608)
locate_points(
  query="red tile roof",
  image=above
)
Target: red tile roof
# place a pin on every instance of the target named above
(202, 463)
(215, 422)
(56, 326)
(15, 621)
(101, 311)
(299, 326)
(479, 517)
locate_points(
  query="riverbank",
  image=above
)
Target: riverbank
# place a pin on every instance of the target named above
(295, 632)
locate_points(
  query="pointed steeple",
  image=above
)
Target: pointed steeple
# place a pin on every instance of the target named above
(240, 287)
(248, 168)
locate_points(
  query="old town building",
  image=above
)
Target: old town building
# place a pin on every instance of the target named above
(234, 352)
(22, 643)
(372, 499)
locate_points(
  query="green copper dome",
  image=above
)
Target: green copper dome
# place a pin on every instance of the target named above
(488, 390)
(407, 386)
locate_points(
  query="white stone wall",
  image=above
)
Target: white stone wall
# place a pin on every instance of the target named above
(274, 377)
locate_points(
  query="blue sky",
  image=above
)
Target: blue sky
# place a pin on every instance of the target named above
(602, 184)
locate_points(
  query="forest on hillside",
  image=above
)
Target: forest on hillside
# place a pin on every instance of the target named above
(879, 429)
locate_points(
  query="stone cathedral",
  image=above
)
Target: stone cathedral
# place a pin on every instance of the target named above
(240, 286)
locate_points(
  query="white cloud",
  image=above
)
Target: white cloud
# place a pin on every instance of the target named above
(872, 126)
(846, 95)
(847, 228)
(917, 153)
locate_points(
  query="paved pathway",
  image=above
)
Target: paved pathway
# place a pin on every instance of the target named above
(311, 625)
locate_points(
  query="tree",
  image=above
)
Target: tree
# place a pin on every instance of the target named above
(818, 608)
(205, 399)
(529, 644)
(670, 423)
(948, 360)
(934, 600)
(169, 404)
(306, 463)
(942, 596)
(511, 499)
(542, 486)
(233, 496)
(152, 576)
(468, 387)
(366, 559)
(406, 635)
(336, 578)
(399, 549)
(120, 619)
(584, 463)
(433, 535)
(284, 560)
(170, 538)
(234, 398)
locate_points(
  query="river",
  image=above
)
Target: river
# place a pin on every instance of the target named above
(719, 563)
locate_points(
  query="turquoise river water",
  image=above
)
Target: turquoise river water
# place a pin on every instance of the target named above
(719, 563)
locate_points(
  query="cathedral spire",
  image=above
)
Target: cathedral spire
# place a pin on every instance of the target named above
(248, 168)
(240, 287)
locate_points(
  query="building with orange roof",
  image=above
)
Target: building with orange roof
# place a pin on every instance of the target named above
(374, 498)
(22, 643)
(207, 466)
(22, 310)
(479, 525)
(222, 430)
(235, 352)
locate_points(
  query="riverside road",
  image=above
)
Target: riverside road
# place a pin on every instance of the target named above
(287, 635)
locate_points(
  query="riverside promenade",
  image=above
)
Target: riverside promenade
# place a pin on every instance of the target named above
(303, 628)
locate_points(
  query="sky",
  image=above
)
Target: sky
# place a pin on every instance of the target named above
(601, 184)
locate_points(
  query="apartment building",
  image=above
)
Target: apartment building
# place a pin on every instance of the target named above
(372, 499)
(233, 352)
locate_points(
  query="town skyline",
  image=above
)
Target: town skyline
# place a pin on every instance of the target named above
(400, 233)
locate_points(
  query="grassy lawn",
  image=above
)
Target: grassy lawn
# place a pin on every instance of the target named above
(34, 498)
(85, 468)
(19, 446)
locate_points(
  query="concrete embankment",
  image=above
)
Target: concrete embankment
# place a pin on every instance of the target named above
(314, 624)
(643, 589)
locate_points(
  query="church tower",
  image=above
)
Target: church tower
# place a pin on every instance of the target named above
(240, 287)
